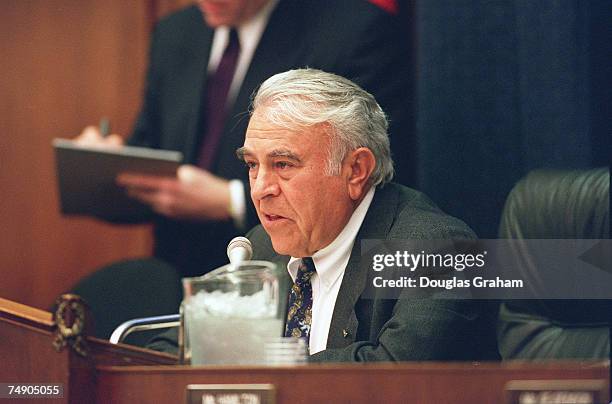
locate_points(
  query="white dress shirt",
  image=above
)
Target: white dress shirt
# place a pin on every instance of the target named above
(330, 263)
(249, 34)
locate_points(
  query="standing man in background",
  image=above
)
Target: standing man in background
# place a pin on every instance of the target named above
(205, 62)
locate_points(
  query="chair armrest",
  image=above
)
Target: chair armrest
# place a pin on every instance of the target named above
(144, 324)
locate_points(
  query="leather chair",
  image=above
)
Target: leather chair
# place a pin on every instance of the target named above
(130, 289)
(554, 204)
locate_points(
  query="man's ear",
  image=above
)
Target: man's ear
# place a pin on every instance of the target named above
(359, 165)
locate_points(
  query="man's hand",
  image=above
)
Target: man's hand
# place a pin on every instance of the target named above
(91, 136)
(194, 195)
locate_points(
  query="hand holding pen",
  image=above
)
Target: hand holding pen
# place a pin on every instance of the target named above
(99, 136)
(104, 126)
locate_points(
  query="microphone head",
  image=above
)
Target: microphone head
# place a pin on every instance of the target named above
(242, 244)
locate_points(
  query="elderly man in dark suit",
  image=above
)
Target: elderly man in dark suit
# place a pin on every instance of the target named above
(319, 165)
(205, 62)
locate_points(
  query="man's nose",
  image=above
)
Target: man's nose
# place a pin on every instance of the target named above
(265, 185)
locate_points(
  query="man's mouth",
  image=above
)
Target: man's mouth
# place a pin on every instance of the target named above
(272, 218)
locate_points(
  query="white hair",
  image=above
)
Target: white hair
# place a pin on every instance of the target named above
(302, 98)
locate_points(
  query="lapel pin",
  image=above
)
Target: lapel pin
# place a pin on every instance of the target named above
(346, 333)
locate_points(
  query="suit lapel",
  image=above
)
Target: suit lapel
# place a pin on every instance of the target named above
(195, 79)
(275, 53)
(376, 225)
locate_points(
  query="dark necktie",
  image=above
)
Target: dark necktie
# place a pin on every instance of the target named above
(215, 101)
(299, 314)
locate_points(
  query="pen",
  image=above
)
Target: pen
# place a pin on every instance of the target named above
(104, 127)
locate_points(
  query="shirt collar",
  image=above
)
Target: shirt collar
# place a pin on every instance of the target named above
(254, 27)
(331, 260)
(251, 30)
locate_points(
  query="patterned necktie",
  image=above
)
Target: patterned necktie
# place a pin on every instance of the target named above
(299, 315)
(215, 100)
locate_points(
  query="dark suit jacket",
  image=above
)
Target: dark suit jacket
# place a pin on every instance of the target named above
(352, 38)
(375, 328)
(406, 329)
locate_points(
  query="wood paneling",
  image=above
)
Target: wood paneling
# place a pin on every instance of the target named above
(65, 63)
(125, 374)
(456, 383)
(29, 356)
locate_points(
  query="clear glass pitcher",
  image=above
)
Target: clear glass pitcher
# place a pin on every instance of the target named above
(229, 314)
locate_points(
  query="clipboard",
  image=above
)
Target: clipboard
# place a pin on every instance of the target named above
(86, 178)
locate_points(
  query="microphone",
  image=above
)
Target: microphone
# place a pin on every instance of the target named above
(239, 249)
